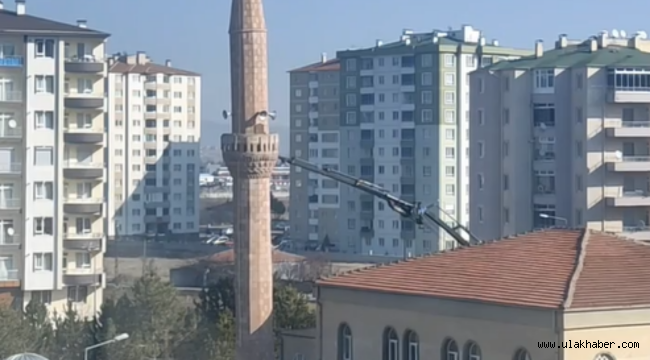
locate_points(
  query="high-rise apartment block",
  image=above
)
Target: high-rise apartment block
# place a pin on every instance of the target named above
(315, 137)
(561, 138)
(154, 129)
(52, 165)
(404, 124)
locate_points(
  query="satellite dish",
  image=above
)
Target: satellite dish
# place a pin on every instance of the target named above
(643, 35)
(225, 114)
(10, 231)
(265, 115)
(615, 34)
(542, 126)
(619, 155)
(12, 124)
(623, 34)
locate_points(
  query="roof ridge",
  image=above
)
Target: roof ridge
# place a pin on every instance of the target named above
(581, 254)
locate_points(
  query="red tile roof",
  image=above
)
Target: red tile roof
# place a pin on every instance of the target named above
(228, 256)
(555, 268)
(330, 65)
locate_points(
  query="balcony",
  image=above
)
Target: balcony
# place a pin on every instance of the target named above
(81, 135)
(11, 134)
(83, 241)
(11, 204)
(79, 277)
(83, 100)
(9, 275)
(629, 198)
(628, 95)
(11, 62)
(639, 232)
(82, 170)
(630, 164)
(630, 129)
(73, 205)
(7, 240)
(156, 219)
(11, 97)
(85, 64)
(13, 168)
(156, 204)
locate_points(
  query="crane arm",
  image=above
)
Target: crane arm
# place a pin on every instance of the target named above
(407, 210)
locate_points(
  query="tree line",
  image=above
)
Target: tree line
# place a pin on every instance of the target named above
(160, 324)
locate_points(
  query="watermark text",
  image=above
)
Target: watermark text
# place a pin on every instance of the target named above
(587, 344)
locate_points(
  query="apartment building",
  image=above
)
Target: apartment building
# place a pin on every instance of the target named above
(52, 172)
(560, 138)
(405, 126)
(154, 129)
(314, 136)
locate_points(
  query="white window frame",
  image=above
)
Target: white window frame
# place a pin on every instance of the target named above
(450, 79)
(41, 262)
(544, 81)
(450, 134)
(450, 60)
(450, 116)
(393, 344)
(450, 98)
(82, 260)
(426, 79)
(450, 171)
(426, 60)
(427, 97)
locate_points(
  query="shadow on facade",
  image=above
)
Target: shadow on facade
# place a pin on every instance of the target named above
(159, 196)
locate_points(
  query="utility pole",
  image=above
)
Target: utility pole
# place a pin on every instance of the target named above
(144, 255)
(116, 260)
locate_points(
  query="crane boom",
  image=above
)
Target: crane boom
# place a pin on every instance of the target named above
(415, 212)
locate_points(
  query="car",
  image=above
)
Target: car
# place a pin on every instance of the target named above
(218, 240)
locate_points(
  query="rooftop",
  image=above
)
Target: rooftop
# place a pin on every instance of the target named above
(597, 51)
(228, 257)
(326, 65)
(140, 63)
(553, 269)
(13, 22)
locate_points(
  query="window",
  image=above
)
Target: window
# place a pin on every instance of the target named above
(450, 350)
(351, 118)
(77, 294)
(345, 342)
(44, 120)
(480, 115)
(43, 226)
(450, 60)
(84, 86)
(351, 100)
(450, 98)
(427, 97)
(44, 84)
(42, 261)
(412, 348)
(450, 116)
(426, 60)
(351, 64)
(44, 48)
(450, 189)
(426, 79)
(522, 354)
(426, 171)
(480, 213)
(390, 344)
(450, 79)
(43, 190)
(544, 80)
(481, 149)
(450, 134)
(43, 156)
(480, 179)
(82, 260)
(351, 82)
(473, 351)
(481, 85)
(427, 115)
(42, 297)
(450, 171)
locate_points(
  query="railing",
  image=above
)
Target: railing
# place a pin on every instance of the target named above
(633, 229)
(644, 158)
(77, 129)
(11, 133)
(83, 200)
(6, 239)
(11, 96)
(82, 236)
(84, 94)
(633, 193)
(630, 88)
(635, 124)
(10, 203)
(9, 275)
(82, 165)
(11, 61)
(84, 59)
(11, 168)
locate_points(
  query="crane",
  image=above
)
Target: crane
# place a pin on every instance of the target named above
(416, 212)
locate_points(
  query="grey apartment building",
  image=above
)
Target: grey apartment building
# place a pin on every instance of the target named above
(314, 134)
(561, 138)
(404, 126)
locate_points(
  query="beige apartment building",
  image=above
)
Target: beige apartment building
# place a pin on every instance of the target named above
(314, 136)
(154, 131)
(560, 138)
(553, 287)
(52, 165)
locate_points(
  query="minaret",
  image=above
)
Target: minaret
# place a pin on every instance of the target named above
(250, 151)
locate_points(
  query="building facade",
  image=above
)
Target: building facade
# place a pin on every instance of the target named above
(154, 129)
(52, 164)
(560, 138)
(404, 124)
(315, 137)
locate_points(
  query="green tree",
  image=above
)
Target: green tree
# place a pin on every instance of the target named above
(291, 309)
(277, 207)
(71, 336)
(18, 334)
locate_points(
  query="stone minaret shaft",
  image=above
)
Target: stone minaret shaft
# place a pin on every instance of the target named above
(250, 152)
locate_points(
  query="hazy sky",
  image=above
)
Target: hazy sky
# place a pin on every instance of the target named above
(193, 33)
